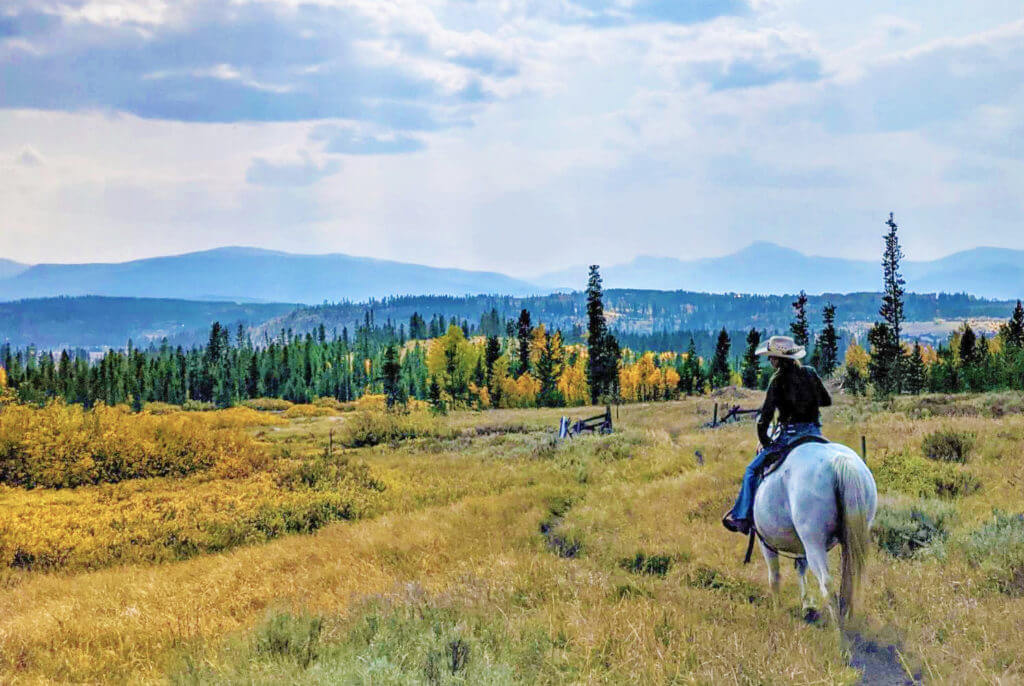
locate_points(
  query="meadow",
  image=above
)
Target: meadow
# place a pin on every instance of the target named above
(359, 547)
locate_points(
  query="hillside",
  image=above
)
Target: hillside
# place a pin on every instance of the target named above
(97, 322)
(642, 311)
(254, 275)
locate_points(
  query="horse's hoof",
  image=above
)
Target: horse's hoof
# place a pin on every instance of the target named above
(811, 615)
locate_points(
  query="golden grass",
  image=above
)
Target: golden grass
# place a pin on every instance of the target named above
(459, 534)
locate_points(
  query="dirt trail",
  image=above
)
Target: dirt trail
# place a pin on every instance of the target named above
(879, 664)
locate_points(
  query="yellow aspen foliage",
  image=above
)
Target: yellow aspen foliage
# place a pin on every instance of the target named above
(3, 377)
(538, 339)
(450, 355)
(483, 396)
(929, 355)
(572, 382)
(671, 382)
(857, 358)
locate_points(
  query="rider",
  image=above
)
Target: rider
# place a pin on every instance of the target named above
(797, 393)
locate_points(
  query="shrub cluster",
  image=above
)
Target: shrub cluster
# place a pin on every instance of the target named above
(267, 404)
(948, 445)
(305, 410)
(60, 446)
(373, 428)
(156, 520)
(903, 528)
(997, 548)
(918, 476)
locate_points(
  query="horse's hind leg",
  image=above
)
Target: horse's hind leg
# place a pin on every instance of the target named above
(806, 602)
(817, 560)
(772, 559)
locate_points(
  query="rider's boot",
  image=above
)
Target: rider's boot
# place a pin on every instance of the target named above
(733, 524)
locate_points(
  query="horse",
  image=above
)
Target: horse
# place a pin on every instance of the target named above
(822, 495)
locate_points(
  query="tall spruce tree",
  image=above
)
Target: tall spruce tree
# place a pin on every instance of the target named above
(1013, 332)
(751, 365)
(799, 329)
(916, 376)
(720, 371)
(524, 331)
(891, 310)
(602, 347)
(391, 376)
(827, 349)
(968, 347)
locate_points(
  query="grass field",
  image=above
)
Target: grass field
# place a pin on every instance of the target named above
(484, 551)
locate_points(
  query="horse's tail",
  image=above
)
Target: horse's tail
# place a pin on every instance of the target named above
(856, 497)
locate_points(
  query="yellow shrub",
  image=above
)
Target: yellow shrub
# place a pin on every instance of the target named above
(296, 411)
(168, 519)
(64, 445)
(161, 408)
(267, 404)
(239, 418)
(332, 403)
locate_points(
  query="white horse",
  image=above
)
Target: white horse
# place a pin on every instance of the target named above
(823, 494)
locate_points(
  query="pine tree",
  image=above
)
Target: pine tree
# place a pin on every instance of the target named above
(827, 348)
(884, 357)
(524, 331)
(751, 365)
(603, 348)
(916, 372)
(891, 310)
(547, 372)
(720, 371)
(391, 371)
(1013, 332)
(968, 347)
(799, 328)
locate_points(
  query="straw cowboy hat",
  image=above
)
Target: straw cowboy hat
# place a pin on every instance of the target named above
(782, 346)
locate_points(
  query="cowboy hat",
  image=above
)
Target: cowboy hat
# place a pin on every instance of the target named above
(782, 346)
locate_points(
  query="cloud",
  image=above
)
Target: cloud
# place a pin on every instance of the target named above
(305, 172)
(247, 62)
(750, 73)
(349, 141)
(29, 157)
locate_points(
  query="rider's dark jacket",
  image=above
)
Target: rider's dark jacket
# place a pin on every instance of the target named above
(796, 392)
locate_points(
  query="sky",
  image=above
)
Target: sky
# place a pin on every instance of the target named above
(519, 136)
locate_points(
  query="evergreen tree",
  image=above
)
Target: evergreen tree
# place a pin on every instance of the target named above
(891, 310)
(885, 354)
(603, 348)
(492, 351)
(720, 371)
(916, 378)
(751, 365)
(524, 331)
(798, 328)
(1013, 332)
(827, 348)
(547, 372)
(968, 347)
(391, 373)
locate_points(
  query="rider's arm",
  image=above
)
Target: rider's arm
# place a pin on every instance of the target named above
(767, 414)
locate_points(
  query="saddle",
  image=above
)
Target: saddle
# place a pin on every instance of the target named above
(780, 455)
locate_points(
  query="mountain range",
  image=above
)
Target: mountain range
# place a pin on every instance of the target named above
(766, 268)
(257, 275)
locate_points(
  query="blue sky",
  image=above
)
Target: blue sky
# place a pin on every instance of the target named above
(514, 135)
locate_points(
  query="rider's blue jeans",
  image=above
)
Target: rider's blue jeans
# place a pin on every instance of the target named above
(744, 507)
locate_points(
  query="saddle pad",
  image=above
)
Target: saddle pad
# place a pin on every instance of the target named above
(784, 453)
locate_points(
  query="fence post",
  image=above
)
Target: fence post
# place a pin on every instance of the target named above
(330, 443)
(714, 420)
(863, 448)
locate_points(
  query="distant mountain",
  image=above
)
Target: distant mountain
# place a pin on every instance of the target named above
(253, 275)
(768, 268)
(9, 268)
(99, 322)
